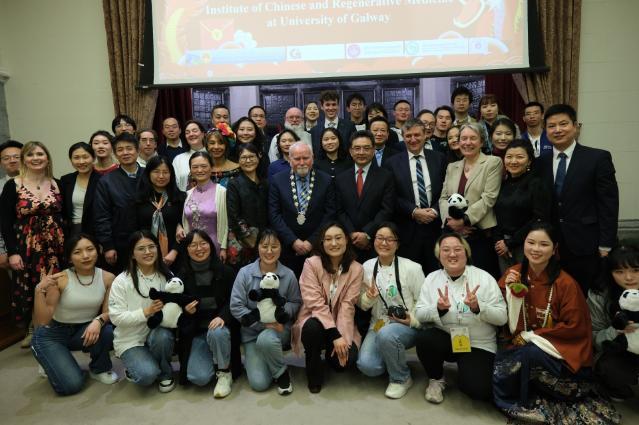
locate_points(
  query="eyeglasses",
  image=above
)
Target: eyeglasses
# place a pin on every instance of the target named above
(248, 158)
(362, 148)
(148, 248)
(10, 157)
(382, 239)
(196, 245)
(429, 124)
(448, 251)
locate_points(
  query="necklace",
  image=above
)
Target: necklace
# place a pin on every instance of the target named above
(301, 203)
(524, 311)
(80, 280)
(147, 279)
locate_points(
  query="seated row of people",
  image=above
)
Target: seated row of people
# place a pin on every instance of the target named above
(454, 314)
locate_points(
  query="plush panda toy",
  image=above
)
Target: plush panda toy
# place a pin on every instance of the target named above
(629, 312)
(270, 303)
(457, 206)
(174, 299)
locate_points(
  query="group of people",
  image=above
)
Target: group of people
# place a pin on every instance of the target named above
(519, 288)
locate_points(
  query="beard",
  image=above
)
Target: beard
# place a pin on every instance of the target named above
(297, 129)
(302, 170)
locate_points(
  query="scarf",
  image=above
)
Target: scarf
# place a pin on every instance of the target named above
(158, 228)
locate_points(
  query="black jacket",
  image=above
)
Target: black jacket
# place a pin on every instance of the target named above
(220, 289)
(246, 204)
(67, 185)
(114, 219)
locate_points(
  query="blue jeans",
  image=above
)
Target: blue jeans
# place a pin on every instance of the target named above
(52, 345)
(264, 358)
(152, 361)
(208, 349)
(385, 350)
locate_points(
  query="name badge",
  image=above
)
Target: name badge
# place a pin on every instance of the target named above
(460, 339)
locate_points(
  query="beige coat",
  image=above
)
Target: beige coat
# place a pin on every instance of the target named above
(315, 285)
(482, 189)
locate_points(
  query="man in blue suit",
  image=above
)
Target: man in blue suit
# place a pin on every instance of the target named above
(329, 103)
(585, 206)
(419, 176)
(300, 203)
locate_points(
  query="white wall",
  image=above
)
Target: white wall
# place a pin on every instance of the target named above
(59, 89)
(609, 90)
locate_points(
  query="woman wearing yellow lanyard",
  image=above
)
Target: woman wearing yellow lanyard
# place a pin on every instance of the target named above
(546, 377)
(465, 306)
(391, 287)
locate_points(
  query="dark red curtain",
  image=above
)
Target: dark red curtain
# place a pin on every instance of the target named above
(176, 103)
(510, 101)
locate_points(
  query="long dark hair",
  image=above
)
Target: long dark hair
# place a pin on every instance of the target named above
(214, 261)
(279, 136)
(71, 243)
(259, 136)
(620, 257)
(146, 192)
(349, 254)
(553, 268)
(341, 148)
(132, 269)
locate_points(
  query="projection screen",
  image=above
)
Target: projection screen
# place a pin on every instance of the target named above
(208, 42)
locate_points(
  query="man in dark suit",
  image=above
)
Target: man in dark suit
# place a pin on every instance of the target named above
(300, 203)
(365, 195)
(419, 177)
(329, 103)
(585, 206)
(384, 149)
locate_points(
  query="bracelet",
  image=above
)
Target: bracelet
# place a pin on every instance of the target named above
(100, 320)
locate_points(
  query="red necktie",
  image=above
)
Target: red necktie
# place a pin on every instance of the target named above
(360, 182)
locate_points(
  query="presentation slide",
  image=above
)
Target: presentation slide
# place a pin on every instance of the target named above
(200, 41)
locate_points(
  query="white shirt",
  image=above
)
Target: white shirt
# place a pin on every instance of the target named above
(411, 278)
(365, 169)
(535, 141)
(126, 310)
(182, 169)
(327, 121)
(413, 176)
(556, 159)
(399, 133)
(492, 307)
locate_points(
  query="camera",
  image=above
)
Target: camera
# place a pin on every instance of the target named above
(397, 311)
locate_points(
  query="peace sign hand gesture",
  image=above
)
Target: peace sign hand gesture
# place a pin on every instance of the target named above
(471, 298)
(372, 292)
(47, 280)
(443, 303)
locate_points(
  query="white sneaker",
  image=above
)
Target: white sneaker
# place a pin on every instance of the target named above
(166, 386)
(434, 390)
(107, 378)
(396, 390)
(41, 372)
(223, 386)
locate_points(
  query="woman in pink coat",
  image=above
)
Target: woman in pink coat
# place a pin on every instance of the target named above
(330, 284)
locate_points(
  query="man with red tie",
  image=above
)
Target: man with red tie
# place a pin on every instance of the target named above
(365, 195)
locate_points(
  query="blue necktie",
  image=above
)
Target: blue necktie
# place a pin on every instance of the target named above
(378, 156)
(421, 186)
(560, 177)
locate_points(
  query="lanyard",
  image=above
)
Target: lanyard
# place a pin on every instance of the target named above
(399, 284)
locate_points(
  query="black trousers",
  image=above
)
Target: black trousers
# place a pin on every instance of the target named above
(315, 339)
(475, 369)
(584, 269)
(617, 372)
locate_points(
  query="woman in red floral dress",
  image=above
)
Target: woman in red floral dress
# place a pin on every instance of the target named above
(31, 219)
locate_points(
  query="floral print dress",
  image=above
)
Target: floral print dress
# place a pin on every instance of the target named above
(40, 243)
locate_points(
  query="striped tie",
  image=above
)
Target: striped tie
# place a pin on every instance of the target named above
(421, 186)
(303, 194)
